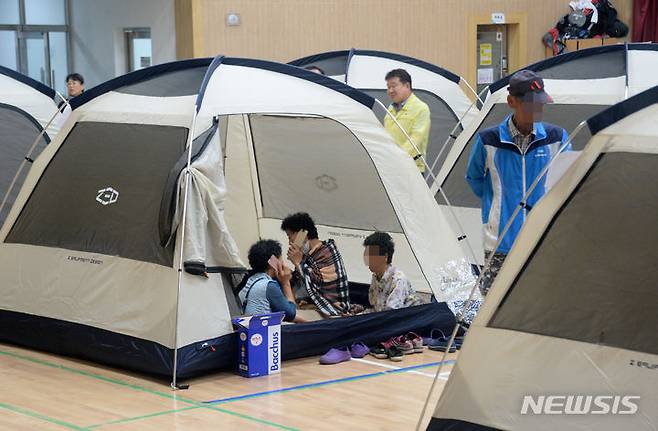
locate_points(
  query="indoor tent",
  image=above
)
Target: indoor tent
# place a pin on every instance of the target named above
(572, 313)
(90, 251)
(448, 96)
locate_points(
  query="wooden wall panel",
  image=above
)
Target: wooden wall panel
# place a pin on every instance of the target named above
(433, 30)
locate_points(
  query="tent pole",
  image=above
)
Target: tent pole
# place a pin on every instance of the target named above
(28, 156)
(454, 129)
(462, 232)
(181, 225)
(487, 264)
(477, 96)
(626, 89)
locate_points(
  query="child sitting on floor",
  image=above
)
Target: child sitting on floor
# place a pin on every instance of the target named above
(390, 288)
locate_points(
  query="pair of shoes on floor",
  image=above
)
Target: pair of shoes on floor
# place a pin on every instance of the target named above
(387, 350)
(337, 355)
(408, 343)
(396, 347)
(438, 341)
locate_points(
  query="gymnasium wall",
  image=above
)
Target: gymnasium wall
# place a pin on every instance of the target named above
(434, 30)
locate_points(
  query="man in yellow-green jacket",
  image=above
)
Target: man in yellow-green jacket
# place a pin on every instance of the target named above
(412, 114)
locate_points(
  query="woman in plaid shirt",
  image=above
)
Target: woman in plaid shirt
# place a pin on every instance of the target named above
(319, 266)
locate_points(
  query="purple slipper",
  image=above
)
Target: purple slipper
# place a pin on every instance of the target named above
(359, 350)
(335, 356)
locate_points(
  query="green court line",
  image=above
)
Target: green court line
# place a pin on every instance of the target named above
(136, 418)
(36, 415)
(142, 389)
(266, 393)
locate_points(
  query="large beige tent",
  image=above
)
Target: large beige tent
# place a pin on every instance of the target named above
(572, 315)
(90, 251)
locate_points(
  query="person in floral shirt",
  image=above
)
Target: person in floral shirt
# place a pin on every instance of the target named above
(390, 288)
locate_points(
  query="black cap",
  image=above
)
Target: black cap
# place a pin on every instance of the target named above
(527, 85)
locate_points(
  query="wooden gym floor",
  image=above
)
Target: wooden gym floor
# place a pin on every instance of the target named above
(48, 392)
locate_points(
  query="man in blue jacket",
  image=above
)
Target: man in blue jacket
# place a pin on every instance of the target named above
(505, 161)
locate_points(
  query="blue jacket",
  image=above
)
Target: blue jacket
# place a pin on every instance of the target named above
(500, 176)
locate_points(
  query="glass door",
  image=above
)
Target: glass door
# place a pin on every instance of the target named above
(138, 41)
(35, 56)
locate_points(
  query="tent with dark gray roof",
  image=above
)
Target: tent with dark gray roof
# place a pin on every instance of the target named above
(572, 314)
(90, 251)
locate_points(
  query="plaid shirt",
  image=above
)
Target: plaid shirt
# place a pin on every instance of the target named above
(520, 140)
(325, 279)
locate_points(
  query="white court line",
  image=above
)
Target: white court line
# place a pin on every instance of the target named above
(442, 376)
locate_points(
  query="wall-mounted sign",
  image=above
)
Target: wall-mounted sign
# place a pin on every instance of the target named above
(498, 18)
(485, 76)
(486, 54)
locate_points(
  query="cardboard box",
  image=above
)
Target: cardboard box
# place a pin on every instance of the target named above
(259, 344)
(572, 45)
(612, 40)
(589, 43)
(578, 44)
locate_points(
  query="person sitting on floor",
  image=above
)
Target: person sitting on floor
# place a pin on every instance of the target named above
(390, 288)
(319, 266)
(268, 289)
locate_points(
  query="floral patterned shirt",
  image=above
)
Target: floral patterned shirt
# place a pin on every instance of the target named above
(392, 291)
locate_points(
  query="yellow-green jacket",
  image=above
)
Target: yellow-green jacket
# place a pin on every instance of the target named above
(414, 117)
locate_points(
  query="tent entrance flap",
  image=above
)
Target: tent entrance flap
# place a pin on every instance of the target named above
(101, 192)
(169, 198)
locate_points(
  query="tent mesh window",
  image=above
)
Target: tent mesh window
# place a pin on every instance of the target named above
(592, 277)
(101, 192)
(173, 84)
(332, 66)
(18, 131)
(317, 165)
(566, 116)
(443, 121)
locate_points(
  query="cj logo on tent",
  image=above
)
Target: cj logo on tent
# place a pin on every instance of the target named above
(326, 183)
(107, 196)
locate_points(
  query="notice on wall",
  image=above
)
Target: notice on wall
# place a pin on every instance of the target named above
(485, 76)
(498, 18)
(486, 54)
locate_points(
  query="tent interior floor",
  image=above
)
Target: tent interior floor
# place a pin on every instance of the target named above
(49, 392)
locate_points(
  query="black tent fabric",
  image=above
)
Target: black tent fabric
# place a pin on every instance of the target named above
(437, 424)
(316, 338)
(203, 357)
